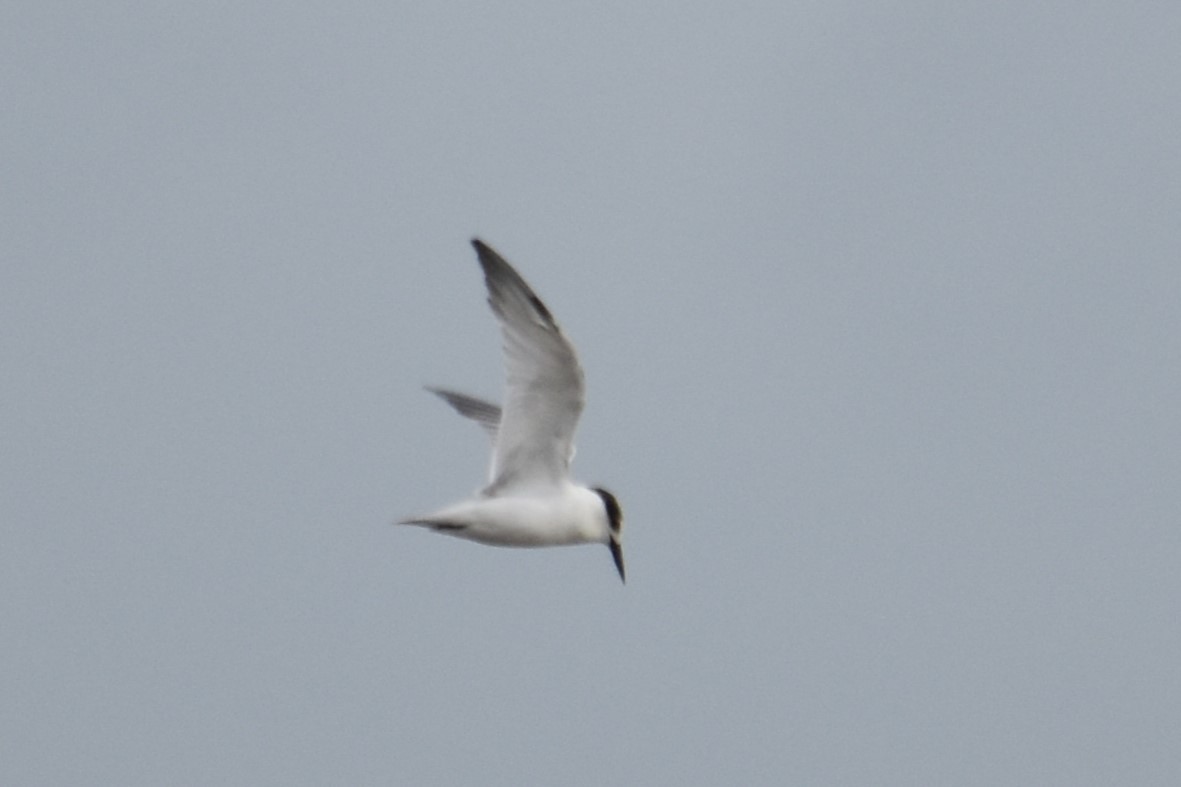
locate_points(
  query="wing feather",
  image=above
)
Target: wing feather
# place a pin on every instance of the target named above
(545, 389)
(486, 414)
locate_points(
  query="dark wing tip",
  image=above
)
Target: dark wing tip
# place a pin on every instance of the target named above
(490, 259)
(501, 278)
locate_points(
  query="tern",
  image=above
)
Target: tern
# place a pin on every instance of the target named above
(530, 500)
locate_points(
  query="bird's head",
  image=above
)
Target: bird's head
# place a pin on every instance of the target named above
(614, 528)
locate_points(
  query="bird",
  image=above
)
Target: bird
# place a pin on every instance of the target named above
(530, 499)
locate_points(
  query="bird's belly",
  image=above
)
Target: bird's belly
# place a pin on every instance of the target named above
(520, 522)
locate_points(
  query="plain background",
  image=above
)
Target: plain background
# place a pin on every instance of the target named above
(879, 307)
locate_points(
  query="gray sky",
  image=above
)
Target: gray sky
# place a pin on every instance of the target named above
(879, 307)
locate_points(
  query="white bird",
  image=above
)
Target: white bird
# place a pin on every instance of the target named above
(530, 500)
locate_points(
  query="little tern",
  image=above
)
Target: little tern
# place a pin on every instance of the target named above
(530, 500)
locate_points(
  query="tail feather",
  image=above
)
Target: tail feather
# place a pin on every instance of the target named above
(439, 525)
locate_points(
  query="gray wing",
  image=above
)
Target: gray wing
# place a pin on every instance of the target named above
(486, 414)
(545, 391)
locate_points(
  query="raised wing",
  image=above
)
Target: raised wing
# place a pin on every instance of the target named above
(545, 390)
(486, 414)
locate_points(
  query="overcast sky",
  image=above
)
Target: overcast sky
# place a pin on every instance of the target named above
(880, 309)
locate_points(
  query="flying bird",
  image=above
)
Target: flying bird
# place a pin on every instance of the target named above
(530, 500)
